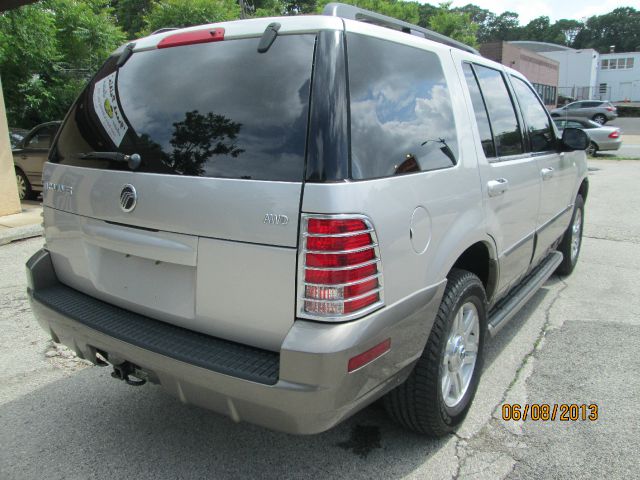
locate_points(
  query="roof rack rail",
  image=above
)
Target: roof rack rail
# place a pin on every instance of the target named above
(354, 13)
(164, 29)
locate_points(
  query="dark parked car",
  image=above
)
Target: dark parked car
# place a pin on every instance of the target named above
(597, 110)
(29, 156)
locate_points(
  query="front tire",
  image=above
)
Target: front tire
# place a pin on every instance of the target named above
(571, 242)
(436, 397)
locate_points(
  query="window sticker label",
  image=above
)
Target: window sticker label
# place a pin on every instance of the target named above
(106, 107)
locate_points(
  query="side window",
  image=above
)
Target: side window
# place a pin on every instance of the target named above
(535, 116)
(574, 125)
(480, 110)
(401, 114)
(561, 124)
(504, 122)
(41, 139)
(574, 106)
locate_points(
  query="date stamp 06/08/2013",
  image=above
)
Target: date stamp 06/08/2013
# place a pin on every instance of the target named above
(563, 412)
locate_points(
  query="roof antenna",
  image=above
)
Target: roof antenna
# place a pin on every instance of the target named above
(268, 37)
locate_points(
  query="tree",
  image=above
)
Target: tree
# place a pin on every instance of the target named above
(565, 31)
(481, 17)
(198, 137)
(407, 11)
(620, 28)
(186, 13)
(48, 51)
(129, 15)
(537, 29)
(425, 12)
(505, 26)
(453, 24)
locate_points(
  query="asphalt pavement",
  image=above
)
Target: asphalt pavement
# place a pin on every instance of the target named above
(576, 341)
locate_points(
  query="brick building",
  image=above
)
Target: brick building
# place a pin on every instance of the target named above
(541, 71)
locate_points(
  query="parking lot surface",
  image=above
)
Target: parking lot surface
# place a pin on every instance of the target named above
(576, 341)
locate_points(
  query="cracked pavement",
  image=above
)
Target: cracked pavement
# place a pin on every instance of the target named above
(576, 341)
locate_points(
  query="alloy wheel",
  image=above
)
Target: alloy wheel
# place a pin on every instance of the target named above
(460, 354)
(22, 186)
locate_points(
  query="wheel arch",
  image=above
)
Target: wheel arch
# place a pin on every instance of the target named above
(583, 189)
(480, 259)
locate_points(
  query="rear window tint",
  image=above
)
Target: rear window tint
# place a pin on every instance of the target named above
(401, 115)
(216, 110)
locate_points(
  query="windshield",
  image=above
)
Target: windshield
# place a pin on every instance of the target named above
(216, 110)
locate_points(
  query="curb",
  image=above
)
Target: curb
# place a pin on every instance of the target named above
(20, 233)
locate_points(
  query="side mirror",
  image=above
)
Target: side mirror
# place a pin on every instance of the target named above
(574, 139)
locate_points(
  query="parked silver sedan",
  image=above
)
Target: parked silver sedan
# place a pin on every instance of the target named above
(602, 137)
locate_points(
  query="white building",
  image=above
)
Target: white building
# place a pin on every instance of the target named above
(619, 76)
(578, 72)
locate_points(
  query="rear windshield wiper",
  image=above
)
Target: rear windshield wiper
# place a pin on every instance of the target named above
(132, 160)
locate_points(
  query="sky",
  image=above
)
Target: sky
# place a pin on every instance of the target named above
(554, 9)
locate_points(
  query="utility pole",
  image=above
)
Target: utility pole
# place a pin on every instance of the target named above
(243, 14)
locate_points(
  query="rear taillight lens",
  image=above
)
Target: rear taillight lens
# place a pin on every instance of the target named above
(614, 134)
(340, 273)
(611, 109)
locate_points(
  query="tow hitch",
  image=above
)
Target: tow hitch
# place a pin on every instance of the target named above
(130, 373)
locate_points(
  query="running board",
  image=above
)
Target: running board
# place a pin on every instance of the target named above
(507, 308)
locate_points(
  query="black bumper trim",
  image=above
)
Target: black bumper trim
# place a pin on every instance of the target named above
(222, 356)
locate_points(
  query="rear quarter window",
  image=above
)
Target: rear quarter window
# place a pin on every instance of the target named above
(401, 114)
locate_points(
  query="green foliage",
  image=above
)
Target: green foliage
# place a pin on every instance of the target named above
(129, 15)
(407, 11)
(620, 28)
(266, 8)
(48, 50)
(186, 13)
(454, 24)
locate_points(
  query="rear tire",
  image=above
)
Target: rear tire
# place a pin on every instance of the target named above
(600, 118)
(419, 404)
(25, 191)
(592, 149)
(571, 242)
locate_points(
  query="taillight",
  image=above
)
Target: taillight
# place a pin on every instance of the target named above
(192, 37)
(615, 134)
(611, 109)
(340, 276)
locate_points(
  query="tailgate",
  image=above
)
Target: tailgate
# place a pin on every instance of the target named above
(203, 233)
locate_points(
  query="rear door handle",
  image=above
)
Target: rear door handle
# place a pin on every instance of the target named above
(497, 187)
(547, 173)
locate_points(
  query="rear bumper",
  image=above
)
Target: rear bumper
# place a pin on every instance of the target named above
(608, 145)
(312, 390)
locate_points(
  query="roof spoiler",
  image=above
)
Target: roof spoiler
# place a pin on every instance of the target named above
(354, 13)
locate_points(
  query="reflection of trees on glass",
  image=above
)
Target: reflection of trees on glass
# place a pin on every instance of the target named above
(409, 165)
(198, 137)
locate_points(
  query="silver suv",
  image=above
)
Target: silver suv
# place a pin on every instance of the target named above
(282, 229)
(597, 110)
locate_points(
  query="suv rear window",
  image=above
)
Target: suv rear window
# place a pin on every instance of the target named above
(216, 110)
